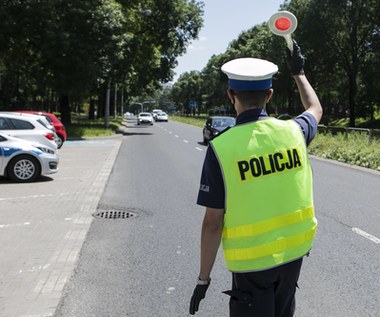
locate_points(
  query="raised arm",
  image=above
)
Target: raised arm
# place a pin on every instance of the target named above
(309, 98)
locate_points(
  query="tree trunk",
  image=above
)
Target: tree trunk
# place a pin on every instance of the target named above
(65, 109)
(351, 101)
(352, 91)
(91, 111)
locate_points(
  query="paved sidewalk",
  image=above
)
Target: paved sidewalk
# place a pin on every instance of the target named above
(44, 224)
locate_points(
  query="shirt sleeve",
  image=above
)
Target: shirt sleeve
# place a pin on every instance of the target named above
(211, 191)
(308, 126)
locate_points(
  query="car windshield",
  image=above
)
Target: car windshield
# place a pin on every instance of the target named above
(144, 115)
(223, 122)
(229, 122)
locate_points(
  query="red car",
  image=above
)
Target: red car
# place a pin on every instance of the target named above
(59, 127)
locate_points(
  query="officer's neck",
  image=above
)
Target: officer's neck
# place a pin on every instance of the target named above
(239, 108)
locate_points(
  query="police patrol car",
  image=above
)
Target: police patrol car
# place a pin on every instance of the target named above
(23, 161)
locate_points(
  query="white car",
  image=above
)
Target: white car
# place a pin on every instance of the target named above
(145, 118)
(27, 127)
(22, 161)
(154, 113)
(162, 116)
(42, 119)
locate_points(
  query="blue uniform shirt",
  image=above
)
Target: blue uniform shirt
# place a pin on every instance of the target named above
(211, 192)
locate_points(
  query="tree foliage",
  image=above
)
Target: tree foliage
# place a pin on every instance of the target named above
(69, 50)
(188, 89)
(341, 41)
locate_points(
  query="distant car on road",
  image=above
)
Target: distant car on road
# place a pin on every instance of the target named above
(154, 113)
(215, 125)
(162, 116)
(145, 118)
(27, 127)
(22, 161)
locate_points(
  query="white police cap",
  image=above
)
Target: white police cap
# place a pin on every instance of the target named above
(249, 73)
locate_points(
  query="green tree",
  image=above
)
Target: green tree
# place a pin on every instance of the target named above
(189, 87)
(340, 37)
(77, 49)
(215, 86)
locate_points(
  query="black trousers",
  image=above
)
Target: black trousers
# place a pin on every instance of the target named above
(269, 293)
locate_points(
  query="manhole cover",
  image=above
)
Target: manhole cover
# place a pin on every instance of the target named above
(114, 214)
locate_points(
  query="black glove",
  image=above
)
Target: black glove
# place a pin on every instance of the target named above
(198, 294)
(295, 61)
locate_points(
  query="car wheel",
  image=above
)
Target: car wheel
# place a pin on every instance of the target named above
(205, 141)
(60, 141)
(23, 168)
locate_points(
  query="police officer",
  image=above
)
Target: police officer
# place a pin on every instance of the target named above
(256, 185)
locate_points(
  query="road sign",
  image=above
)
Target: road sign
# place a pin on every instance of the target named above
(193, 104)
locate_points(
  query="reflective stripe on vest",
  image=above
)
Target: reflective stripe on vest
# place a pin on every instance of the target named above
(269, 218)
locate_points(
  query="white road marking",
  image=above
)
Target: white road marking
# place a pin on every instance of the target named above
(170, 290)
(199, 149)
(366, 235)
(39, 315)
(36, 268)
(15, 225)
(176, 136)
(170, 132)
(185, 141)
(40, 196)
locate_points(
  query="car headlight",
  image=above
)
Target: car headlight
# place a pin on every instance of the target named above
(45, 150)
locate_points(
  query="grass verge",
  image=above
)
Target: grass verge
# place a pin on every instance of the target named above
(83, 128)
(197, 121)
(355, 149)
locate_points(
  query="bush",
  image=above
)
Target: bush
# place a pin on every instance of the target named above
(355, 149)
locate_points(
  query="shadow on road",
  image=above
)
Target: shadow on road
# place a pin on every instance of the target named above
(41, 179)
(137, 133)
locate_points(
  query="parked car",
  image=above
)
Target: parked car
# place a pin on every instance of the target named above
(28, 127)
(22, 161)
(145, 118)
(57, 124)
(162, 116)
(43, 120)
(154, 113)
(215, 125)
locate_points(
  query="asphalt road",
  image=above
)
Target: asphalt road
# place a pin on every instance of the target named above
(147, 265)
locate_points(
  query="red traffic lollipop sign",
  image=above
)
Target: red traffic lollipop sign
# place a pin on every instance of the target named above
(283, 23)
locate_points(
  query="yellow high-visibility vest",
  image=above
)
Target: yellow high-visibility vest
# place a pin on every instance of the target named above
(269, 212)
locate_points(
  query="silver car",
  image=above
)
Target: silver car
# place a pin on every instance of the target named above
(162, 116)
(22, 161)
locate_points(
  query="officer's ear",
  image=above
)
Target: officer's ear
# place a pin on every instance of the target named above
(269, 95)
(231, 95)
